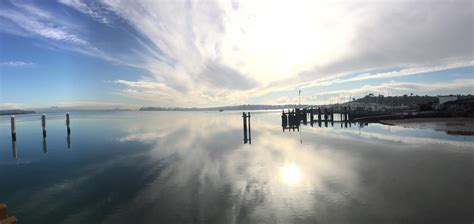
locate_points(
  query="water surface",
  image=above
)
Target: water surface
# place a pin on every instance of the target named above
(193, 167)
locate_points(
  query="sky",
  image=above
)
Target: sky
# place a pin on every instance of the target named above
(185, 53)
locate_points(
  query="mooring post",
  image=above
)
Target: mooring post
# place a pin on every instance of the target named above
(284, 120)
(67, 124)
(250, 130)
(304, 115)
(345, 113)
(319, 116)
(319, 113)
(244, 118)
(13, 127)
(325, 114)
(43, 124)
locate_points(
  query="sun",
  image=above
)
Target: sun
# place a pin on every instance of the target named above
(290, 174)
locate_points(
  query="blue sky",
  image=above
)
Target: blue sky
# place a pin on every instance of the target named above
(115, 53)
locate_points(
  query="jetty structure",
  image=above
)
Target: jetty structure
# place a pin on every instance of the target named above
(292, 118)
(352, 112)
(4, 218)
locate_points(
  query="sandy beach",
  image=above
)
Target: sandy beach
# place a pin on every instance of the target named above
(455, 125)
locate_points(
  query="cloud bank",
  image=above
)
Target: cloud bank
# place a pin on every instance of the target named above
(205, 53)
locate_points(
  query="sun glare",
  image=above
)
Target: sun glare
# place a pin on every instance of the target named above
(290, 174)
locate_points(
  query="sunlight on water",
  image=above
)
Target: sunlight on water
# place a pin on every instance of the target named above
(290, 174)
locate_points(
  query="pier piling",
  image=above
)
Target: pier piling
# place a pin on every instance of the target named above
(43, 124)
(244, 119)
(13, 127)
(250, 130)
(67, 124)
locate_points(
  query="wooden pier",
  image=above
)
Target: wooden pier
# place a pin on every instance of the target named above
(4, 218)
(293, 118)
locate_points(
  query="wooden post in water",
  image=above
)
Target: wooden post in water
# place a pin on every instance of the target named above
(13, 127)
(284, 120)
(43, 124)
(67, 124)
(244, 118)
(348, 113)
(325, 114)
(319, 116)
(345, 114)
(250, 130)
(326, 117)
(332, 119)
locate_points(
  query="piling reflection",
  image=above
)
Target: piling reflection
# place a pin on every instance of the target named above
(68, 140)
(14, 152)
(45, 145)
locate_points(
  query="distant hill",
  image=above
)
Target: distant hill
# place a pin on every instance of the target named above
(404, 100)
(13, 112)
(237, 107)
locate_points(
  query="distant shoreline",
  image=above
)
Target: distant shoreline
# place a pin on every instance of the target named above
(224, 108)
(15, 112)
(451, 125)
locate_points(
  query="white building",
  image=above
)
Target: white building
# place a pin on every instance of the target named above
(444, 99)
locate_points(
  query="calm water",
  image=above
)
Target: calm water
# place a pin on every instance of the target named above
(193, 167)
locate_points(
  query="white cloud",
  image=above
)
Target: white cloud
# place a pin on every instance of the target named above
(279, 44)
(230, 52)
(33, 20)
(141, 84)
(94, 105)
(12, 106)
(16, 63)
(342, 78)
(96, 11)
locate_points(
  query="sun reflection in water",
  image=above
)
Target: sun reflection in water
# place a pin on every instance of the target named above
(290, 174)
